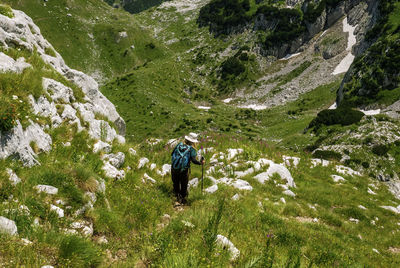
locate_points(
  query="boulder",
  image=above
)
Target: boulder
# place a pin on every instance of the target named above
(13, 177)
(112, 172)
(148, 178)
(153, 166)
(193, 183)
(291, 160)
(132, 151)
(142, 162)
(337, 178)
(58, 91)
(347, 171)
(59, 211)
(232, 153)
(17, 142)
(289, 193)
(226, 243)
(101, 146)
(8, 64)
(117, 160)
(46, 189)
(279, 169)
(8, 226)
(236, 197)
(211, 189)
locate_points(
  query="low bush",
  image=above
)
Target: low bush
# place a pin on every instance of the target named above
(380, 149)
(341, 116)
(328, 155)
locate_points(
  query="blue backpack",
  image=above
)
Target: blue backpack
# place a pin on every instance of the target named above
(181, 157)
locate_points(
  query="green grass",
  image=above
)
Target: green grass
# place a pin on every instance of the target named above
(89, 39)
(6, 11)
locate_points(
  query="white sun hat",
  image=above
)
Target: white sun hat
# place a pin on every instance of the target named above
(192, 137)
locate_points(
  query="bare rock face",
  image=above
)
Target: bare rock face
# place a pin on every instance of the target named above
(8, 64)
(17, 143)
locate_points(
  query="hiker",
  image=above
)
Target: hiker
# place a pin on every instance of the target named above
(182, 155)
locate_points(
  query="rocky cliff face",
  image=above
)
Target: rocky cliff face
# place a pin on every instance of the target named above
(93, 112)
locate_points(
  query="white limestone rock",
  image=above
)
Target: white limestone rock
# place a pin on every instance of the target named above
(8, 226)
(289, 193)
(142, 162)
(315, 162)
(371, 192)
(279, 169)
(166, 169)
(236, 197)
(101, 146)
(232, 153)
(112, 172)
(193, 183)
(58, 91)
(148, 178)
(59, 211)
(17, 142)
(8, 64)
(43, 107)
(153, 166)
(46, 189)
(226, 243)
(117, 160)
(13, 177)
(347, 171)
(393, 209)
(337, 178)
(211, 189)
(291, 161)
(132, 151)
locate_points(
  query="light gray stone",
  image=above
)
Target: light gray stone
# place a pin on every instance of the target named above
(46, 189)
(101, 146)
(58, 91)
(117, 160)
(226, 243)
(8, 64)
(142, 162)
(13, 177)
(59, 211)
(112, 172)
(8, 226)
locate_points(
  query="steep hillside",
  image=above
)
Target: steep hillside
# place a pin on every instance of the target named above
(92, 36)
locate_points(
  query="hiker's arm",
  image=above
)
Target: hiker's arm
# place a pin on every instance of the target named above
(193, 154)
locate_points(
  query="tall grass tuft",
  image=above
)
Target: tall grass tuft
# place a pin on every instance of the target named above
(211, 231)
(78, 252)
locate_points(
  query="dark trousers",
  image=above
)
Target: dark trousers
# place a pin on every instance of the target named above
(180, 181)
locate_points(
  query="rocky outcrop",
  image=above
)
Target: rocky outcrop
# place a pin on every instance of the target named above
(21, 32)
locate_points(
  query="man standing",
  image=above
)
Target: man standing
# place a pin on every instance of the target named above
(182, 155)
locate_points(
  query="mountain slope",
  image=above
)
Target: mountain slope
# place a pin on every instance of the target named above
(92, 36)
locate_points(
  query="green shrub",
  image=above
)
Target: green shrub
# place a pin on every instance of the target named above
(232, 67)
(328, 155)
(6, 11)
(222, 15)
(380, 149)
(341, 116)
(79, 252)
(7, 115)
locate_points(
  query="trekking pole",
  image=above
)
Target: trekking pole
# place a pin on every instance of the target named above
(202, 176)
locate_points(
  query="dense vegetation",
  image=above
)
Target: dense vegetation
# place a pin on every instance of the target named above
(375, 75)
(223, 16)
(342, 116)
(279, 25)
(135, 6)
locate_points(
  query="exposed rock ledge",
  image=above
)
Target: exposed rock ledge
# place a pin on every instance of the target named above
(21, 32)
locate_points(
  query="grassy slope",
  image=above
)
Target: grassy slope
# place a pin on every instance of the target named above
(88, 39)
(131, 224)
